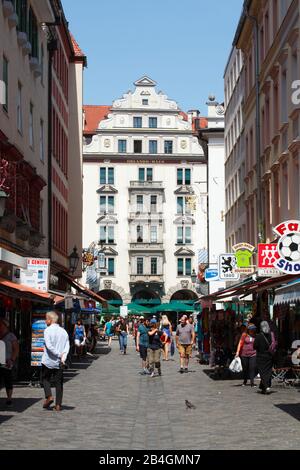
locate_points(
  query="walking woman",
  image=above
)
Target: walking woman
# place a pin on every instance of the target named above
(79, 337)
(108, 331)
(166, 328)
(122, 331)
(247, 354)
(264, 358)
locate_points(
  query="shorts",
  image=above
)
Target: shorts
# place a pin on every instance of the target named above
(6, 378)
(143, 352)
(79, 343)
(185, 350)
(154, 355)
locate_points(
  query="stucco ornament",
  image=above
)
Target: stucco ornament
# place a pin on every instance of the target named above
(183, 144)
(107, 143)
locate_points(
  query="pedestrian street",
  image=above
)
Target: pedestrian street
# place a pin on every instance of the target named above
(108, 405)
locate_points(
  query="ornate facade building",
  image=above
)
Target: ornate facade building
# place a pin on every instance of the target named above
(143, 170)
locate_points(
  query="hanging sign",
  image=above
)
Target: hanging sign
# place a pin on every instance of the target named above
(244, 254)
(267, 255)
(288, 247)
(227, 267)
(211, 275)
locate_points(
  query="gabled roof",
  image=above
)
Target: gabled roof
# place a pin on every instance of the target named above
(93, 116)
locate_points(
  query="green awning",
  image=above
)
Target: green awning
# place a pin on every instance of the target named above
(173, 307)
(136, 309)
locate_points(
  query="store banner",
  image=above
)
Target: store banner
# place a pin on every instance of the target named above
(244, 256)
(227, 267)
(35, 276)
(267, 255)
(37, 343)
(288, 247)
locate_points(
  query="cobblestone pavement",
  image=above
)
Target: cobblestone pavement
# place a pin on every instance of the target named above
(109, 405)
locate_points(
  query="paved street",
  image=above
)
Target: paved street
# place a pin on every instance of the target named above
(108, 405)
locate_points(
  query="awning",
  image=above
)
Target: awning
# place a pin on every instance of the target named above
(24, 292)
(84, 290)
(288, 294)
(248, 287)
(173, 307)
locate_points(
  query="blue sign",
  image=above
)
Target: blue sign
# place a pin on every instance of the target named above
(211, 275)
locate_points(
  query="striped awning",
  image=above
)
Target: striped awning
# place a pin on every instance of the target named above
(288, 294)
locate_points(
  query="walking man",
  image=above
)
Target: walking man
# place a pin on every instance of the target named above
(11, 354)
(185, 338)
(156, 340)
(57, 347)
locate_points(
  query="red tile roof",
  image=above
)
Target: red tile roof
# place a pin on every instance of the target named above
(94, 115)
(77, 50)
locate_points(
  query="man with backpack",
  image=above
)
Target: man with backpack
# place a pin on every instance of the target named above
(156, 340)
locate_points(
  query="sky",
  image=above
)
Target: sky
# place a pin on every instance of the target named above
(183, 45)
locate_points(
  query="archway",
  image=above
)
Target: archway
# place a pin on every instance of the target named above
(111, 296)
(184, 295)
(146, 297)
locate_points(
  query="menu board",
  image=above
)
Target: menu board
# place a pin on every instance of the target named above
(37, 342)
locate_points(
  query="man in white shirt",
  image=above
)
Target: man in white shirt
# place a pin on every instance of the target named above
(57, 347)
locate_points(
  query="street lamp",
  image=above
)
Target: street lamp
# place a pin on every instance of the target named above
(194, 277)
(3, 197)
(73, 260)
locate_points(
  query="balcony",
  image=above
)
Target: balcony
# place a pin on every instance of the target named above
(146, 185)
(144, 246)
(145, 215)
(146, 278)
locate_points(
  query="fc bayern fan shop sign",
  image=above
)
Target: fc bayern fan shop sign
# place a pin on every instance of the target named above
(288, 247)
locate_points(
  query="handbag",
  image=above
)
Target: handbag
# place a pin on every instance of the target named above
(172, 348)
(273, 345)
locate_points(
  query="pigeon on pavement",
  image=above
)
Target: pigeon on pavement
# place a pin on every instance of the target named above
(189, 405)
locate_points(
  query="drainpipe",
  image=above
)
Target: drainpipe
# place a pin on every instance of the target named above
(259, 202)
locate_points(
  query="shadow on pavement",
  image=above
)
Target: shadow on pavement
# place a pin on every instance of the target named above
(5, 418)
(19, 404)
(222, 374)
(292, 409)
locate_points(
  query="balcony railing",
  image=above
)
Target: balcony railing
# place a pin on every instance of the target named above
(146, 184)
(144, 246)
(146, 278)
(145, 215)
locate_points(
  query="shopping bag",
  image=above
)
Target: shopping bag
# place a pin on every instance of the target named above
(236, 365)
(172, 348)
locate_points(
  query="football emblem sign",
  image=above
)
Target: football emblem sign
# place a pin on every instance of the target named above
(288, 247)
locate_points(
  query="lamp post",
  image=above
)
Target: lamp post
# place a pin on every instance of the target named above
(194, 277)
(73, 260)
(3, 197)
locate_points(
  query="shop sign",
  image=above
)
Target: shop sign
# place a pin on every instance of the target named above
(267, 256)
(288, 247)
(35, 276)
(37, 342)
(244, 254)
(124, 311)
(227, 267)
(211, 275)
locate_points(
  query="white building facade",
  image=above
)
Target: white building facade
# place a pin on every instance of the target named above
(235, 151)
(141, 166)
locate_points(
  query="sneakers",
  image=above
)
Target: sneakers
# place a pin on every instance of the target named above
(268, 391)
(181, 370)
(153, 374)
(186, 371)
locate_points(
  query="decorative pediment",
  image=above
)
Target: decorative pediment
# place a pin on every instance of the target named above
(187, 190)
(107, 189)
(107, 219)
(108, 251)
(145, 81)
(184, 220)
(184, 252)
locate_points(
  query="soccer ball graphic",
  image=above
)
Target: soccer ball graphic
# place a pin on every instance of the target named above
(289, 247)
